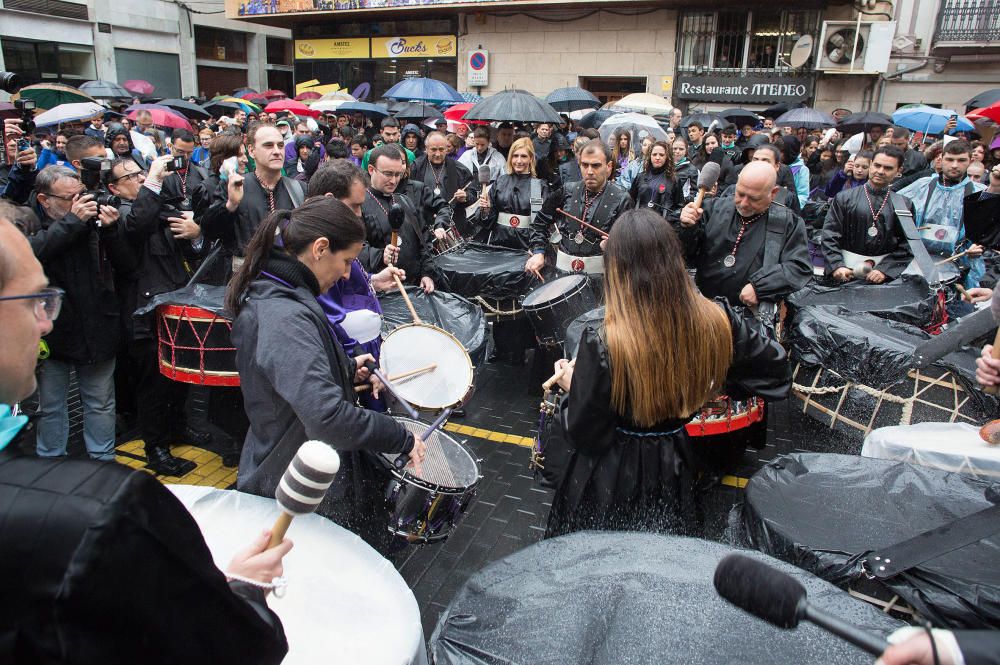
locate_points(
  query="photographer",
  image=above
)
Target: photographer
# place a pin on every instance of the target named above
(81, 247)
(21, 174)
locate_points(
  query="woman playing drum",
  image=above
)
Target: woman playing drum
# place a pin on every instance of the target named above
(661, 352)
(508, 209)
(298, 383)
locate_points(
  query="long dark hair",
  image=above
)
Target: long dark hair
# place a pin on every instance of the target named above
(319, 217)
(668, 166)
(681, 360)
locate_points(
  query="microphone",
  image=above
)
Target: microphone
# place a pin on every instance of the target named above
(303, 485)
(779, 599)
(483, 172)
(861, 271)
(707, 179)
(397, 216)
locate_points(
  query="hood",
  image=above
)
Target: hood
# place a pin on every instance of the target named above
(411, 129)
(755, 141)
(114, 130)
(791, 150)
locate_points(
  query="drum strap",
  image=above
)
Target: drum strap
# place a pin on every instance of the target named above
(891, 561)
(295, 192)
(536, 196)
(923, 260)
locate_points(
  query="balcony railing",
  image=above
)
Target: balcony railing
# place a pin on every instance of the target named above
(968, 21)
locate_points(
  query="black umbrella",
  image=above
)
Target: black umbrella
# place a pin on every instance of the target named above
(513, 106)
(219, 109)
(105, 90)
(805, 118)
(740, 117)
(780, 109)
(982, 100)
(192, 111)
(595, 119)
(863, 122)
(705, 119)
(417, 111)
(571, 99)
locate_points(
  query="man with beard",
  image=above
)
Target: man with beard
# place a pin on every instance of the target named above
(445, 177)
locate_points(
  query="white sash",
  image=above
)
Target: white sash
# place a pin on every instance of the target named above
(515, 221)
(593, 265)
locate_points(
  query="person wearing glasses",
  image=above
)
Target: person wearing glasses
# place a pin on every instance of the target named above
(386, 170)
(82, 249)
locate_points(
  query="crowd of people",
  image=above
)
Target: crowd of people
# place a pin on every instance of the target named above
(304, 221)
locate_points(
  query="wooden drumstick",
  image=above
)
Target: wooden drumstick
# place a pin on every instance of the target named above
(397, 377)
(303, 485)
(461, 189)
(583, 223)
(953, 257)
(406, 299)
(547, 386)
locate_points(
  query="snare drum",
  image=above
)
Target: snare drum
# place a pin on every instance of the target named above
(723, 415)
(554, 305)
(426, 504)
(417, 345)
(492, 276)
(451, 240)
(195, 346)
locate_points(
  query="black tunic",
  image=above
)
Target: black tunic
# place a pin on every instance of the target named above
(654, 190)
(846, 227)
(707, 244)
(982, 219)
(510, 194)
(435, 213)
(618, 476)
(414, 249)
(451, 177)
(603, 212)
(236, 228)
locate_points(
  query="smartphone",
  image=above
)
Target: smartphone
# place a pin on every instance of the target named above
(177, 163)
(23, 144)
(229, 166)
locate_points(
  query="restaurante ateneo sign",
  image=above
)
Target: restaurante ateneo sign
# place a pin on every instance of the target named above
(746, 89)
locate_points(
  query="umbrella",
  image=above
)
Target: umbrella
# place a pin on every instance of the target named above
(254, 97)
(219, 109)
(51, 95)
(239, 92)
(740, 117)
(637, 124)
(471, 97)
(244, 104)
(165, 117)
(644, 102)
(805, 118)
(423, 90)
(706, 120)
(572, 98)
(985, 98)
(991, 112)
(69, 113)
(105, 90)
(139, 87)
(338, 96)
(995, 144)
(292, 106)
(513, 106)
(929, 120)
(780, 109)
(595, 119)
(366, 108)
(327, 105)
(418, 111)
(306, 96)
(186, 109)
(8, 110)
(456, 114)
(274, 94)
(863, 122)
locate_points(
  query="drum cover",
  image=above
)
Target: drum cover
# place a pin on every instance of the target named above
(616, 598)
(552, 290)
(447, 463)
(824, 512)
(907, 299)
(204, 296)
(483, 270)
(574, 332)
(413, 347)
(447, 311)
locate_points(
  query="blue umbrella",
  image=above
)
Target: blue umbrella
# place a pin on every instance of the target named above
(423, 90)
(572, 99)
(470, 97)
(363, 107)
(929, 120)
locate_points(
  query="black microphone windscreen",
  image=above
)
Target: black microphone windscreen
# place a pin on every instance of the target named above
(709, 175)
(484, 175)
(755, 587)
(396, 216)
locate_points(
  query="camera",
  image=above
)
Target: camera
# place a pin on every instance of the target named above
(10, 82)
(95, 172)
(27, 109)
(178, 163)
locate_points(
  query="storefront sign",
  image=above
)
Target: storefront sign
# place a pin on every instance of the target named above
(415, 46)
(744, 89)
(330, 49)
(479, 68)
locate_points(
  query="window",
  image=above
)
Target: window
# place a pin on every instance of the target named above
(50, 62)
(279, 51)
(738, 40)
(221, 45)
(163, 70)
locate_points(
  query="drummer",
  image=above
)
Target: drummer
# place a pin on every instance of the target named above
(297, 380)
(596, 200)
(445, 177)
(507, 211)
(625, 457)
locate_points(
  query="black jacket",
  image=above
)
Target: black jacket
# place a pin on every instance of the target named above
(510, 194)
(414, 245)
(569, 171)
(455, 177)
(982, 219)
(106, 567)
(82, 259)
(602, 214)
(846, 227)
(655, 191)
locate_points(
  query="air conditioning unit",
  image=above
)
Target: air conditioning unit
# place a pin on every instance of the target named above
(855, 47)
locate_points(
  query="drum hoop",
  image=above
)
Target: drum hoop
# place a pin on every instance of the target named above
(403, 476)
(458, 343)
(559, 299)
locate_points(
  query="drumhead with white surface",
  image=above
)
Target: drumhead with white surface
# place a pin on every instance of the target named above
(948, 446)
(415, 346)
(552, 290)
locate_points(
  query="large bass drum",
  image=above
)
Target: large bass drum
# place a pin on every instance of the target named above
(448, 311)
(491, 276)
(551, 307)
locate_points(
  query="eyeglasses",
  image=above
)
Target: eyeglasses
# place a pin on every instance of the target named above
(64, 198)
(48, 302)
(391, 175)
(134, 176)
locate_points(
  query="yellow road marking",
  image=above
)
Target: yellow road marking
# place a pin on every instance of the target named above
(210, 472)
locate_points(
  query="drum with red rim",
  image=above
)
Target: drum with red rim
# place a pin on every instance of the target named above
(194, 346)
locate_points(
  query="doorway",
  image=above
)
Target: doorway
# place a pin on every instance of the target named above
(612, 88)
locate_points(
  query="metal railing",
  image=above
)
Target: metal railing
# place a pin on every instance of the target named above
(971, 21)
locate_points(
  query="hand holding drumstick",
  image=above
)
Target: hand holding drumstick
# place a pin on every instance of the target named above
(563, 375)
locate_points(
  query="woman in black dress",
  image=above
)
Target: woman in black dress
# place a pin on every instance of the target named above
(661, 352)
(506, 211)
(656, 188)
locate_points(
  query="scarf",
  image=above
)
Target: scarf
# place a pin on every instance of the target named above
(9, 425)
(289, 270)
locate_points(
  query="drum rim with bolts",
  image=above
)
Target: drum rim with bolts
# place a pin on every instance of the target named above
(468, 379)
(583, 283)
(404, 475)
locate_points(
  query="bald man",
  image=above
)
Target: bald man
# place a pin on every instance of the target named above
(747, 248)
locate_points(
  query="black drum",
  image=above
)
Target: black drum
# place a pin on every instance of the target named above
(554, 305)
(574, 331)
(452, 313)
(491, 276)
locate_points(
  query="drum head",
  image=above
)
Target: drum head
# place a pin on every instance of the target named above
(416, 346)
(553, 289)
(447, 465)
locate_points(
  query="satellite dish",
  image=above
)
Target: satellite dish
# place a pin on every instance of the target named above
(801, 51)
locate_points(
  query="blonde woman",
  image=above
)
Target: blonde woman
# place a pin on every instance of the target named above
(507, 211)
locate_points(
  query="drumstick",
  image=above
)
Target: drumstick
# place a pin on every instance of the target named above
(410, 411)
(953, 257)
(460, 189)
(961, 290)
(406, 299)
(397, 377)
(583, 223)
(303, 485)
(401, 460)
(547, 386)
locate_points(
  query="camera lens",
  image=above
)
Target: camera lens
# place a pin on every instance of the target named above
(10, 82)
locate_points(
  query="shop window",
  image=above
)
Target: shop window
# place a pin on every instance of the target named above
(50, 62)
(279, 51)
(739, 41)
(221, 45)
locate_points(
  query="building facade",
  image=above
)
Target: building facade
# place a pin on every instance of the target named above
(181, 52)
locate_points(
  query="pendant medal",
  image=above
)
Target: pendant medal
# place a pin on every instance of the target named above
(729, 261)
(649, 205)
(872, 231)
(437, 191)
(578, 239)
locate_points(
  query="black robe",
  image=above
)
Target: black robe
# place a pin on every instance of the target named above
(846, 227)
(707, 244)
(982, 219)
(616, 475)
(662, 195)
(454, 177)
(414, 247)
(603, 212)
(236, 228)
(105, 566)
(435, 213)
(569, 171)
(511, 194)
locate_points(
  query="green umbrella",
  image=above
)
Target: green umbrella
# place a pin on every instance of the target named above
(50, 95)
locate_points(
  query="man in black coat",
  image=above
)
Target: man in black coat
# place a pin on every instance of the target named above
(982, 213)
(446, 178)
(104, 564)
